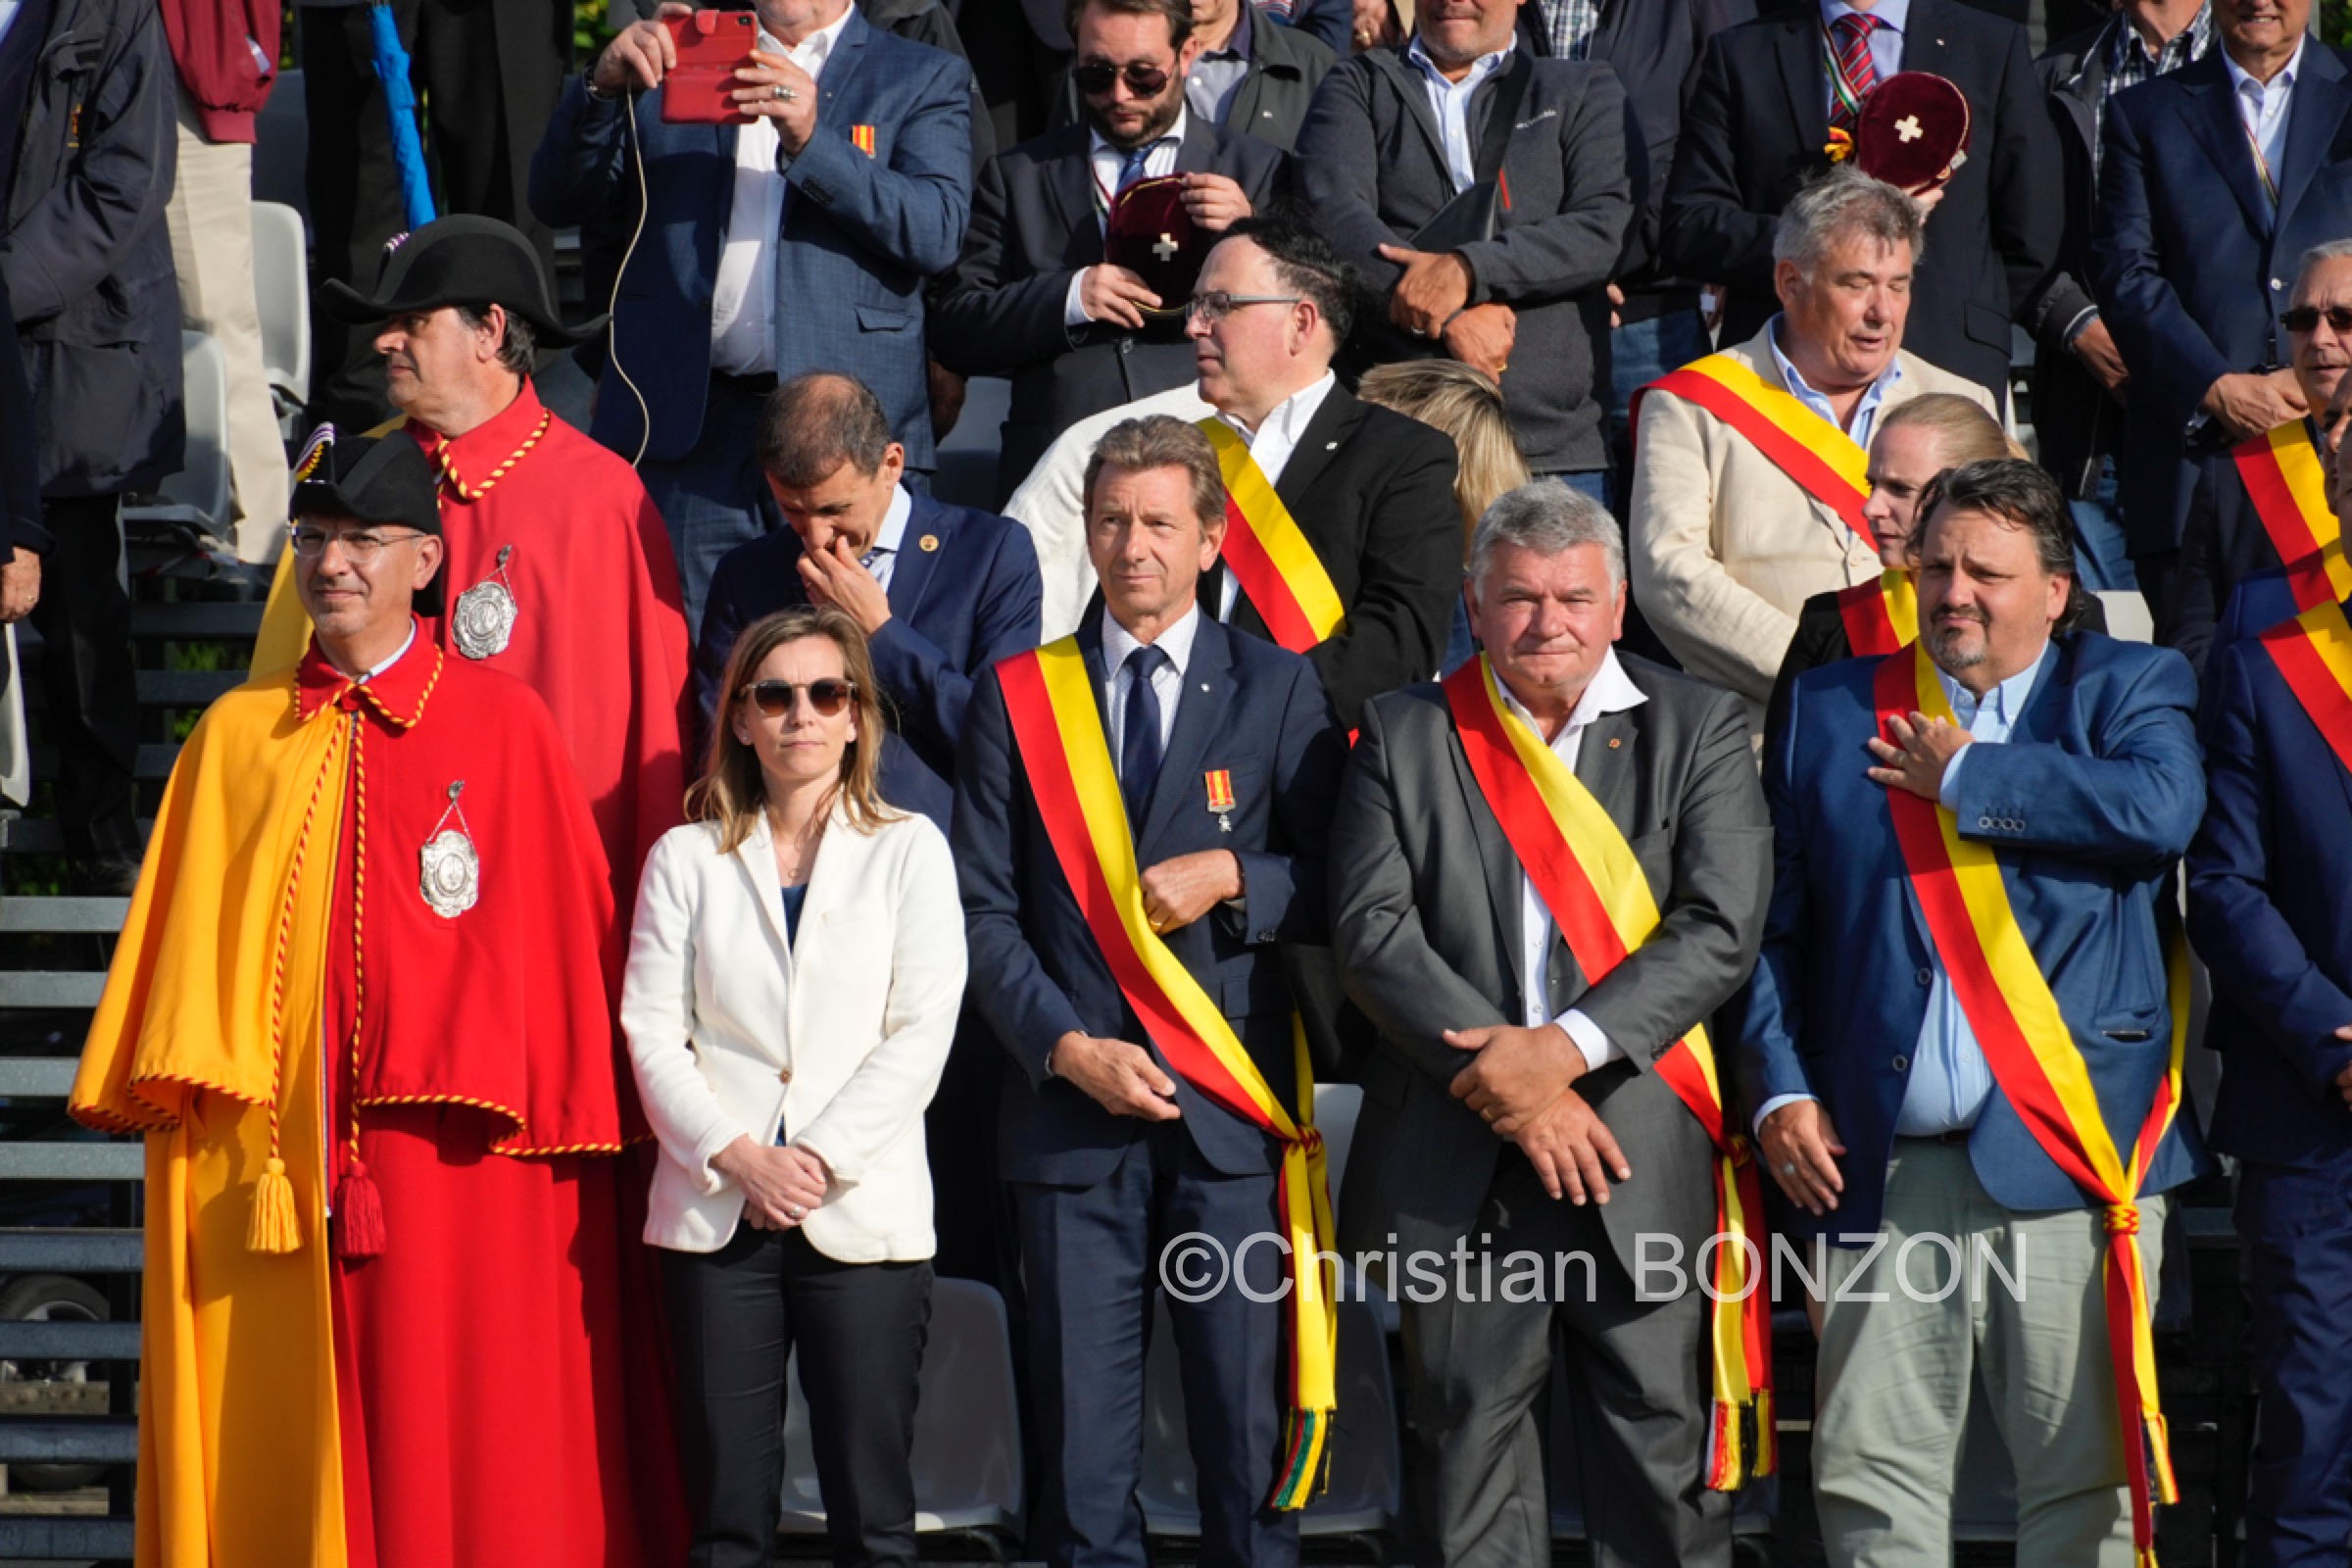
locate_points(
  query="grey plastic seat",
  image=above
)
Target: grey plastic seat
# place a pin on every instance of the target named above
(197, 496)
(1364, 1497)
(967, 1436)
(281, 285)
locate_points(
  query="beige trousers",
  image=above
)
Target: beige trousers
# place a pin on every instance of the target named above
(211, 217)
(1893, 1383)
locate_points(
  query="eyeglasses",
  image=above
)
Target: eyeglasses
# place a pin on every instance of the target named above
(360, 549)
(2303, 317)
(774, 698)
(1094, 78)
(1216, 305)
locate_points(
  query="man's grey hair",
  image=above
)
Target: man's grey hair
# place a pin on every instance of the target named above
(1547, 518)
(1839, 204)
(2335, 250)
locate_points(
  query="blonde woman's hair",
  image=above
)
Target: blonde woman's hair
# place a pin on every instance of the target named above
(732, 791)
(1963, 429)
(1449, 396)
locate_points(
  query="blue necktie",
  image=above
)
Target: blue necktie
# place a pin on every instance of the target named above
(1132, 169)
(1138, 740)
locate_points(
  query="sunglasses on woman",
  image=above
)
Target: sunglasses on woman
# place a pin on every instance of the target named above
(773, 698)
(1094, 78)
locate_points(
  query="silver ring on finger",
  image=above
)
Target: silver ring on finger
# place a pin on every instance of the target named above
(797, 1211)
(1788, 1167)
(785, 93)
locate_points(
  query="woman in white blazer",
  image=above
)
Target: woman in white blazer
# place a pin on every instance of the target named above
(794, 978)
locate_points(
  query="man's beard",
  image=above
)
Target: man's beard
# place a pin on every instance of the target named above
(1164, 115)
(1948, 654)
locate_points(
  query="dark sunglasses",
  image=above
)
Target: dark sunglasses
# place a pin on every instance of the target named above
(1094, 78)
(773, 698)
(2303, 317)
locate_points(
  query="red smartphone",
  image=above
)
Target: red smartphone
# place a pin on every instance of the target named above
(713, 46)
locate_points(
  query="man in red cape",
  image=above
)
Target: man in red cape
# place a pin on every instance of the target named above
(360, 1012)
(560, 573)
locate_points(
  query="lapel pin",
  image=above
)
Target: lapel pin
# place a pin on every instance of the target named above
(1220, 795)
(929, 541)
(1331, 446)
(1615, 741)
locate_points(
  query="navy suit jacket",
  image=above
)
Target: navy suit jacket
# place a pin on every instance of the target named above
(1249, 708)
(862, 234)
(963, 594)
(2192, 267)
(1033, 227)
(2091, 803)
(2223, 545)
(2270, 908)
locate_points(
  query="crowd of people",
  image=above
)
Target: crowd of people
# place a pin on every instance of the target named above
(1516, 585)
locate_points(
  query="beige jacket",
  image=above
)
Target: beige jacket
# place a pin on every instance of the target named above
(1724, 549)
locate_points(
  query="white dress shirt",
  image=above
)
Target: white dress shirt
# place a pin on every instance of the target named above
(1167, 681)
(1105, 162)
(8, 14)
(1450, 101)
(1610, 691)
(743, 296)
(2263, 110)
(1271, 445)
(406, 643)
(882, 555)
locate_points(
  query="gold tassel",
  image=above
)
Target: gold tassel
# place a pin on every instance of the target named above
(272, 1227)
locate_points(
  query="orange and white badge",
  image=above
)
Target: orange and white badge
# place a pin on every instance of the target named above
(1219, 781)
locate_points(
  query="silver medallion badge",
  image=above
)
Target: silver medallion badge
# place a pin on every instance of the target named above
(484, 620)
(450, 871)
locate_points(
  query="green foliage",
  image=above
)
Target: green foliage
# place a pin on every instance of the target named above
(2335, 20)
(591, 30)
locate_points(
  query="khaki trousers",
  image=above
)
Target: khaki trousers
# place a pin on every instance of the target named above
(1893, 1383)
(210, 219)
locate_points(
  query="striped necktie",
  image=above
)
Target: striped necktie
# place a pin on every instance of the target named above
(1852, 72)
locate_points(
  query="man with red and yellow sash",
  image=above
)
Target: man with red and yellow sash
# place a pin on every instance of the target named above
(1750, 467)
(1983, 1128)
(2268, 880)
(1547, 872)
(1141, 811)
(2263, 503)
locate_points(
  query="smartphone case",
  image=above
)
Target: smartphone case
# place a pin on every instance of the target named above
(712, 46)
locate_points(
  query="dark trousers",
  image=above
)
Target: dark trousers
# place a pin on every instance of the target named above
(716, 497)
(2296, 1229)
(1094, 1260)
(734, 1316)
(487, 73)
(88, 680)
(1477, 1365)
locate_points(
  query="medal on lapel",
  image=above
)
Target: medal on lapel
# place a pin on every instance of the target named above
(1219, 781)
(483, 620)
(450, 871)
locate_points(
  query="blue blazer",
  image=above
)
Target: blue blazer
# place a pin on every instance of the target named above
(2270, 907)
(862, 235)
(1249, 708)
(2191, 265)
(2260, 601)
(963, 594)
(2091, 801)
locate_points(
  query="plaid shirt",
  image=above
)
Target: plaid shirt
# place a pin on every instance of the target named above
(1568, 27)
(2129, 64)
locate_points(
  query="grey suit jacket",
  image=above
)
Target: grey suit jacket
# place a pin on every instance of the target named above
(1371, 166)
(1425, 916)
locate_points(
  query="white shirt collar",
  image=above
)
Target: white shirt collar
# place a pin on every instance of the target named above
(811, 52)
(1176, 642)
(892, 535)
(1481, 68)
(1100, 148)
(1610, 691)
(406, 643)
(2006, 701)
(1291, 416)
(2285, 82)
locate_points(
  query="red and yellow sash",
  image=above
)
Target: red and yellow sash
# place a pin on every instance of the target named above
(1269, 553)
(1601, 901)
(1879, 616)
(2031, 1052)
(1050, 700)
(2284, 478)
(1823, 459)
(2314, 653)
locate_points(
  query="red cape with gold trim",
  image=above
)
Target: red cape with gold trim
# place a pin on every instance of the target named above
(299, 1406)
